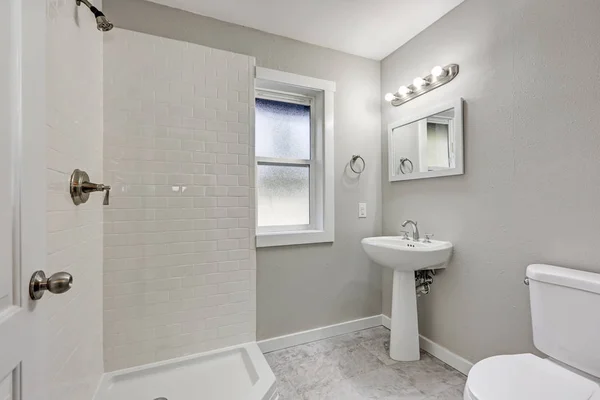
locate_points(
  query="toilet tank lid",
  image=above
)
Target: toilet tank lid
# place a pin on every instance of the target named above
(567, 277)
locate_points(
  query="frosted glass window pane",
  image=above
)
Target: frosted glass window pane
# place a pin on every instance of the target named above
(438, 148)
(282, 129)
(283, 195)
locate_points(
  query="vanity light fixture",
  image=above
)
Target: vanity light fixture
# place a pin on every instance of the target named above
(419, 82)
(439, 72)
(421, 85)
(389, 97)
(404, 90)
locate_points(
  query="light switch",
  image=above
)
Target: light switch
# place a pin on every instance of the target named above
(362, 210)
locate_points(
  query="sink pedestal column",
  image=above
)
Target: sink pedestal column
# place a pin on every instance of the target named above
(404, 340)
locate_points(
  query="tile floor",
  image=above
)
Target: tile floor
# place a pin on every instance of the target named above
(357, 366)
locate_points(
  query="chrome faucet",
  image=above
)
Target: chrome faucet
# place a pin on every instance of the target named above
(414, 228)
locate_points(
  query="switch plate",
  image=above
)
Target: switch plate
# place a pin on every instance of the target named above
(362, 210)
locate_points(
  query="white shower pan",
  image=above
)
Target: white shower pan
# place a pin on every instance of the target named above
(234, 373)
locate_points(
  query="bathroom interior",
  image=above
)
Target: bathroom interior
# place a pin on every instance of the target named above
(260, 200)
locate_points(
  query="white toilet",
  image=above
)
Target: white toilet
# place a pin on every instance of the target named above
(565, 312)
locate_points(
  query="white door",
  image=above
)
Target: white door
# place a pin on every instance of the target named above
(22, 196)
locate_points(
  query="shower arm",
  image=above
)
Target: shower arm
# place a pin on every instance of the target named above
(86, 2)
(89, 5)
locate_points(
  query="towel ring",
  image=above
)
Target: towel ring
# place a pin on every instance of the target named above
(401, 166)
(353, 164)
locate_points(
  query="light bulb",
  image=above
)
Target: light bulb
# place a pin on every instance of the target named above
(389, 97)
(439, 72)
(419, 82)
(403, 90)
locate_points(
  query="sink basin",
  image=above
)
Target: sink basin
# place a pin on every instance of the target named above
(407, 255)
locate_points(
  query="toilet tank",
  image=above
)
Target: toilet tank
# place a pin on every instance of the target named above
(565, 313)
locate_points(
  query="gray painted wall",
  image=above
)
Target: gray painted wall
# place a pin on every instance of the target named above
(529, 76)
(302, 287)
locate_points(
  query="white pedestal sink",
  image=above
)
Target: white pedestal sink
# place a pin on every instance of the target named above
(405, 257)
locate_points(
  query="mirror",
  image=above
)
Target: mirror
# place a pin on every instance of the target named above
(427, 144)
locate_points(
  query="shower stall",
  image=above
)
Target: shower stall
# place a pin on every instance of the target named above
(179, 233)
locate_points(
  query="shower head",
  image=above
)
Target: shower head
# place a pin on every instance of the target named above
(102, 23)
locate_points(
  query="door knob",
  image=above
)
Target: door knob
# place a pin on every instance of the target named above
(58, 283)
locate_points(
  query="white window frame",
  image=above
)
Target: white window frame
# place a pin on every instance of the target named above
(283, 86)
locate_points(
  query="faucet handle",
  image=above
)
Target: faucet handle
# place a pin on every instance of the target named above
(428, 237)
(404, 235)
(81, 187)
(106, 196)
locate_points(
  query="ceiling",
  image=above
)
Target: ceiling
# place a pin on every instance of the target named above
(368, 28)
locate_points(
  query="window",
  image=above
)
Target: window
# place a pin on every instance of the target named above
(284, 138)
(294, 156)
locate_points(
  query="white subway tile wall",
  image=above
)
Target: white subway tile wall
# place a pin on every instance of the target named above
(179, 255)
(74, 140)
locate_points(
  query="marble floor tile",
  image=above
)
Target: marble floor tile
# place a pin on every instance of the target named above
(429, 375)
(312, 373)
(290, 356)
(386, 383)
(304, 351)
(354, 360)
(357, 366)
(380, 348)
(337, 390)
(286, 390)
(454, 393)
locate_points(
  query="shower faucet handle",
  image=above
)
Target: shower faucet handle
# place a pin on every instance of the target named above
(81, 187)
(89, 187)
(106, 196)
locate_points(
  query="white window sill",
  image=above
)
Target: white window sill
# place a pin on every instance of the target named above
(272, 239)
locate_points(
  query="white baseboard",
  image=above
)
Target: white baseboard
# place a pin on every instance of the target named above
(294, 339)
(386, 321)
(438, 351)
(442, 353)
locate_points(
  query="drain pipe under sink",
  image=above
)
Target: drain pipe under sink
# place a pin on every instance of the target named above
(423, 282)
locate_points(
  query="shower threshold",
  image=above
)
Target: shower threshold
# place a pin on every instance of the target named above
(234, 373)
